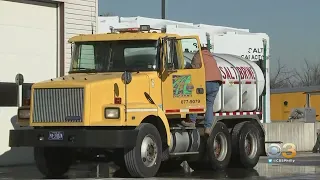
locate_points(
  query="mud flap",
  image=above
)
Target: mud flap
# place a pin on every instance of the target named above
(264, 152)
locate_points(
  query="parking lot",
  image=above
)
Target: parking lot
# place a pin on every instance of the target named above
(306, 166)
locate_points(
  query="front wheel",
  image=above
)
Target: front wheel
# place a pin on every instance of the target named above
(144, 159)
(53, 162)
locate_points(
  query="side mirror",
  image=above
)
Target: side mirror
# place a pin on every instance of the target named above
(170, 46)
(19, 79)
(126, 77)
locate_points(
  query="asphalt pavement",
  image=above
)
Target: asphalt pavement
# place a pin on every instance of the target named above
(306, 166)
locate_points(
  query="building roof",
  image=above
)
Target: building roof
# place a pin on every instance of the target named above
(309, 89)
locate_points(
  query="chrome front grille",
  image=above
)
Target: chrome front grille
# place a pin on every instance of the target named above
(58, 105)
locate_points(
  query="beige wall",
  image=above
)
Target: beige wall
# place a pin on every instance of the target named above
(303, 135)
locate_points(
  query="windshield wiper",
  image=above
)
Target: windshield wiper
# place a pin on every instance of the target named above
(83, 70)
(133, 70)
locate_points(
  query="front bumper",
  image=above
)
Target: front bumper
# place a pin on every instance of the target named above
(77, 138)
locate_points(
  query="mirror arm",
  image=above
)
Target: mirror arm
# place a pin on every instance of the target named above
(172, 70)
(159, 54)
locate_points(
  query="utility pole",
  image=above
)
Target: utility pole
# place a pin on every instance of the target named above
(163, 9)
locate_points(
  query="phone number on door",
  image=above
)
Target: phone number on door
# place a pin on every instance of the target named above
(190, 101)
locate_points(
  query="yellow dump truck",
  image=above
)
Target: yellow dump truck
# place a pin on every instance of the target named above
(124, 99)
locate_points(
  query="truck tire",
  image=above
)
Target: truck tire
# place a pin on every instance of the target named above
(53, 162)
(144, 159)
(219, 147)
(218, 150)
(246, 145)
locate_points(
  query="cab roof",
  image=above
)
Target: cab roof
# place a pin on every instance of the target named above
(120, 36)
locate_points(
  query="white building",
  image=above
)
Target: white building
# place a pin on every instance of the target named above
(33, 42)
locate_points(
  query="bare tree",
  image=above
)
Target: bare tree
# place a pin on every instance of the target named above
(282, 77)
(308, 75)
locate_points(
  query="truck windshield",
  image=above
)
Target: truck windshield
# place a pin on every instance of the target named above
(114, 56)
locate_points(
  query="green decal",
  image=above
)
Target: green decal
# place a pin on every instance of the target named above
(182, 86)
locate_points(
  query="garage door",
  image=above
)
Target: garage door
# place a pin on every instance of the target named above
(28, 45)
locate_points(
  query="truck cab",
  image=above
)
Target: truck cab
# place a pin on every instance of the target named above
(123, 100)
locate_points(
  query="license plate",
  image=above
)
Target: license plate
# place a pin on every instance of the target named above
(55, 135)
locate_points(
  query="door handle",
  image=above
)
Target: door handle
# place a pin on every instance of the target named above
(199, 90)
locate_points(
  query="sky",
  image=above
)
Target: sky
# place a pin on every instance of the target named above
(292, 25)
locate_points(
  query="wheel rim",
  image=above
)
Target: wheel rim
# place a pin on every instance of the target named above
(250, 145)
(149, 151)
(220, 146)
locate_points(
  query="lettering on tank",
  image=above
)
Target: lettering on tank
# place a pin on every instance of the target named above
(254, 54)
(230, 73)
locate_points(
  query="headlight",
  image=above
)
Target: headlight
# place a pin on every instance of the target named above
(111, 113)
(23, 113)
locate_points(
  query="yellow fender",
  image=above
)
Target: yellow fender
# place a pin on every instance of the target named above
(164, 119)
(142, 115)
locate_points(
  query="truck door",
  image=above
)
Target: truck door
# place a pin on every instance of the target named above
(183, 87)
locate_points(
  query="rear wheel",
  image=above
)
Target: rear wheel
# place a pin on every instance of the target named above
(246, 147)
(218, 150)
(144, 159)
(53, 162)
(219, 147)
